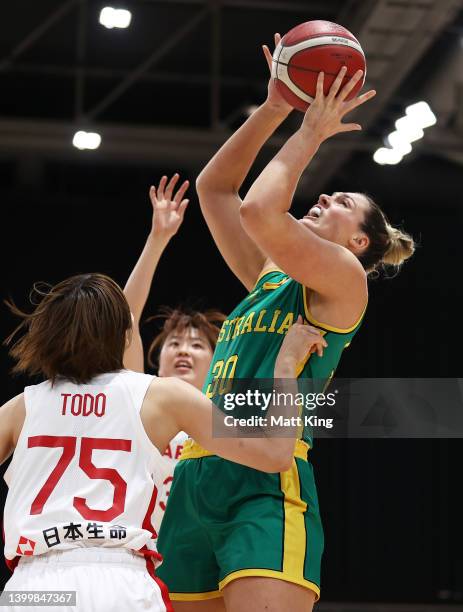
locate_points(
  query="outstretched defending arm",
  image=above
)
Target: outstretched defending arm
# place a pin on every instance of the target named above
(172, 405)
(168, 212)
(219, 183)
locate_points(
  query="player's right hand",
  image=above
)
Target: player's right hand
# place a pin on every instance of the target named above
(168, 207)
(274, 98)
(300, 341)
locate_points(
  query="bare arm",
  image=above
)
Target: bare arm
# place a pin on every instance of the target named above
(12, 416)
(168, 211)
(219, 183)
(328, 268)
(174, 405)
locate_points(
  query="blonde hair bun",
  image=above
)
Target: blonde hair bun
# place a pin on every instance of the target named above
(401, 247)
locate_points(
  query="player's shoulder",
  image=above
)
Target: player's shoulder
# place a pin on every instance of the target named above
(13, 414)
(13, 405)
(127, 385)
(271, 274)
(38, 387)
(167, 384)
(123, 380)
(167, 393)
(132, 376)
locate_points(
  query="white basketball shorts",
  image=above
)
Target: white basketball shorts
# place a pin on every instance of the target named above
(105, 580)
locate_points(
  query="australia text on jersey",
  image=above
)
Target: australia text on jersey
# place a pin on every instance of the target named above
(256, 321)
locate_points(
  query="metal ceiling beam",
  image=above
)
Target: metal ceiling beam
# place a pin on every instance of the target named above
(128, 144)
(436, 16)
(268, 5)
(112, 73)
(354, 13)
(81, 39)
(215, 57)
(156, 56)
(441, 140)
(156, 144)
(37, 33)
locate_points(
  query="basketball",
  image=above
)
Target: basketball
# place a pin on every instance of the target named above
(310, 48)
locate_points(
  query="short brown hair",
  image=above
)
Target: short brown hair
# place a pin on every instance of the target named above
(179, 319)
(389, 246)
(76, 331)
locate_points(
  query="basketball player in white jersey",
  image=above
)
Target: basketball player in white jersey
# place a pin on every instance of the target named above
(87, 447)
(186, 343)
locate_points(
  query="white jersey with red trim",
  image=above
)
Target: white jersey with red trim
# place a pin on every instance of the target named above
(170, 458)
(84, 472)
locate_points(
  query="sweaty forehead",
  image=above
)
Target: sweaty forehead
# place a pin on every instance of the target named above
(190, 332)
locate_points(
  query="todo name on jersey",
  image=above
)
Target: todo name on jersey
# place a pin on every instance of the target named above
(84, 472)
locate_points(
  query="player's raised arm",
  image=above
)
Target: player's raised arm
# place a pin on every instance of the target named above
(168, 210)
(171, 405)
(322, 264)
(219, 183)
(12, 416)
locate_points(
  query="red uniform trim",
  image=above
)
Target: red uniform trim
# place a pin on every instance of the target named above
(147, 524)
(151, 555)
(10, 563)
(161, 585)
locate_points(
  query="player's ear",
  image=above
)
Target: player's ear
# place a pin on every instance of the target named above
(359, 242)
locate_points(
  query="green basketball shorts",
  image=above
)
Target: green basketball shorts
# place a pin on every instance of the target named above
(225, 521)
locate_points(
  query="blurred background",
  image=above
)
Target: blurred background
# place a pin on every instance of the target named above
(163, 93)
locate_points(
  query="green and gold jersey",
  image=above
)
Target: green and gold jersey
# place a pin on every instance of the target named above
(251, 337)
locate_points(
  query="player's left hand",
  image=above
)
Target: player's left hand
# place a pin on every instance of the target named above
(168, 207)
(323, 118)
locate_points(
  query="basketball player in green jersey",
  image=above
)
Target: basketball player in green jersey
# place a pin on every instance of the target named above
(234, 538)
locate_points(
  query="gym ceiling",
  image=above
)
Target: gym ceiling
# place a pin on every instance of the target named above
(171, 87)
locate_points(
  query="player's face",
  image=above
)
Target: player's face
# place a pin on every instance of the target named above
(186, 355)
(338, 218)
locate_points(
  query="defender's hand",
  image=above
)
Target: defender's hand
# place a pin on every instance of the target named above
(300, 341)
(168, 207)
